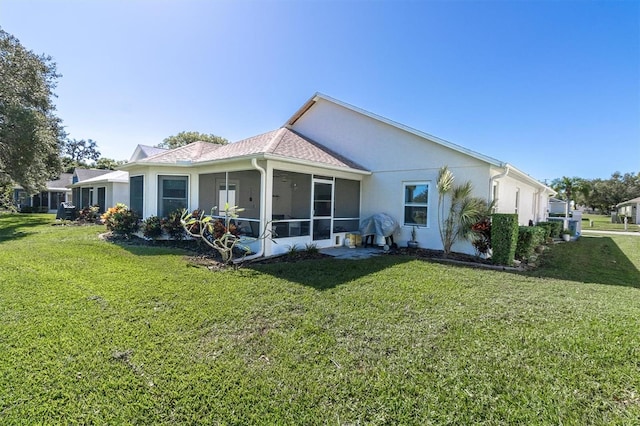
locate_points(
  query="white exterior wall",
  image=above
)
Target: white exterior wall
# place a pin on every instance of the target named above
(533, 203)
(118, 193)
(394, 157)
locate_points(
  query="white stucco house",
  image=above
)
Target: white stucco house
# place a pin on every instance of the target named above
(630, 209)
(46, 201)
(104, 188)
(328, 167)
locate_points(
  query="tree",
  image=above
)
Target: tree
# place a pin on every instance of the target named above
(185, 138)
(464, 210)
(30, 133)
(568, 187)
(108, 163)
(80, 150)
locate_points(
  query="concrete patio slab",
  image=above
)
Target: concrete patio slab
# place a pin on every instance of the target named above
(352, 253)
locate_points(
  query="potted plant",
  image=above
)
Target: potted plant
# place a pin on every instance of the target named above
(566, 234)
(413, 243)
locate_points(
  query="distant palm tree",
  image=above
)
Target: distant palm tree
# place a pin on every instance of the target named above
(463, 209)
(569, 186)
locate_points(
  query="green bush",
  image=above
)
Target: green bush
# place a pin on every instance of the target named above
(173, 227)
(553, 228)
(152, 227)
(529, 238)
(121, 221)
(504, 238)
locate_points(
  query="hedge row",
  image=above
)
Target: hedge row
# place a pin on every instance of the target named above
(553, 228)
(504, 238)
(529, 238)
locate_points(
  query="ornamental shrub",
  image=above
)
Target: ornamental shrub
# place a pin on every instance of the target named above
(482, 236)
(529, 238)
(152, 227)
(504, 238)
(89, 214)
(121, 221)
(173, 226)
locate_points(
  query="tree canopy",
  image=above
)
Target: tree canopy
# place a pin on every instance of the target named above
(108, 163)
(185, 138)
(30, 132)
(80, 150)
(601, 194)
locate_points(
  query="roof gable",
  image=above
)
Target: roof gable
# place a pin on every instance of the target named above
(144, 151)
(309, 104)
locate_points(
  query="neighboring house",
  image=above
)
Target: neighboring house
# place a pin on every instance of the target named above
(45, 201)
(104, 188)
(557, 206)
(328, 167)
(630, 209)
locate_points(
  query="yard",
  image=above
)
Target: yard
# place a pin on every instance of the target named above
(603, 223)
(94, 332)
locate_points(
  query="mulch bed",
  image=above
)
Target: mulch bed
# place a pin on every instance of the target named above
(203, 256)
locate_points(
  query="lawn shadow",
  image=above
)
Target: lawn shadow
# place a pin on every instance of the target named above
(592, 259)
(14, 226)
(327, 273)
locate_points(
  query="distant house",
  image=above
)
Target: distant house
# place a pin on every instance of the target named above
(328, 167)
(630, 209)
(46, 201)
(102, 188)
(557, 206)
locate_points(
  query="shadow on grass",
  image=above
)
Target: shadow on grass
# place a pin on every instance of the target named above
(14, 226)
(323, 274)
(592, 259)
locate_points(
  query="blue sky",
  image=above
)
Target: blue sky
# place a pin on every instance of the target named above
(552, 87)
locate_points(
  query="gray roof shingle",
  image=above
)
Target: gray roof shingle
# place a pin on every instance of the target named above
(282, 142)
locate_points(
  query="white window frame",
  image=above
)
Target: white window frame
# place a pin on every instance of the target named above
(406, 204)
(161, 198)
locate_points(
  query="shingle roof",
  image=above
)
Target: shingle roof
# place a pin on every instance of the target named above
(84, 174)
(631, 201)
(60, 183)
(191, 152)
(111, 176)
(282, 142)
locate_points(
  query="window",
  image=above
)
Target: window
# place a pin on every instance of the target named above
(136, 193)
(172, 194)
(86, 196)
(416, 203)
(517, 200)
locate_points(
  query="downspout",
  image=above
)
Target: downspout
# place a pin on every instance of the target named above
(496, 177)
(263, 207)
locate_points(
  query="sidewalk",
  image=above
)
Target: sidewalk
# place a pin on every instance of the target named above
(592, 231)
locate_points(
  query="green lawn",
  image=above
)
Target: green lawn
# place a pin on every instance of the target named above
(603, 223)
(93, 332)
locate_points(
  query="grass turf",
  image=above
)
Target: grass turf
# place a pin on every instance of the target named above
(93, 332)
(603, 223)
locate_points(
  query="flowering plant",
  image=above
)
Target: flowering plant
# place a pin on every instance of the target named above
(121, 221)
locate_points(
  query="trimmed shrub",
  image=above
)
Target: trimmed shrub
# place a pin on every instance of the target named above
(152, 227)
(504, 238)
(553, 228)
(529, 238)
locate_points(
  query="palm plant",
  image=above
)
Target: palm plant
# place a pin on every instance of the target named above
(464, 210)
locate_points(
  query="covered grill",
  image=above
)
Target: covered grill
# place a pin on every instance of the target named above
(379, 229)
